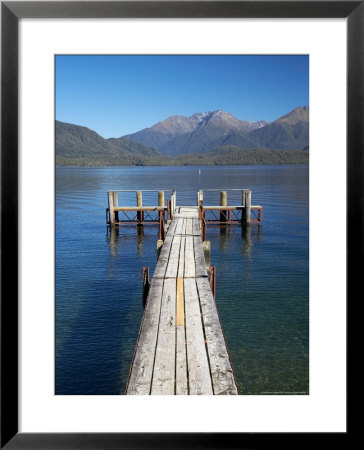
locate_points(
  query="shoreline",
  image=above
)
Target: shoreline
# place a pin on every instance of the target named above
(180, 165)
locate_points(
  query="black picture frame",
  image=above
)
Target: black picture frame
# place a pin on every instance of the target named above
(11, 12)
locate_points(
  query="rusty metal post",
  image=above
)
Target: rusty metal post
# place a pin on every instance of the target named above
(146, 285)
(169, 210)
(161, 225)
(203, 228)
(200, 205)
(212, 276)
(140, 214)
(223, 202)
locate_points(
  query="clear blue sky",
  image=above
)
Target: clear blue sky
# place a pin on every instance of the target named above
(117, 95)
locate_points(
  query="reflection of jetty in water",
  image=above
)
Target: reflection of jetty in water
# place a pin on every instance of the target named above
(225, 234)
(249, 235)
(114, 238)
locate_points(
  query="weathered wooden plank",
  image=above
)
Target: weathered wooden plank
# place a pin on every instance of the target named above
(164, 367)
(188, 212)
(172, 266)
(180, 308)
(220, 208)
(199, 377)
(200, 262)
(227, 207)
(188, 226)
(190, 270)
(179, 226)
(139, 208)
(196, 227)
(181, 362)
(142, 368)
(181, 264)
(168, 240)
(220, 366)
(184, 227)
(172, 227)
(161, 267)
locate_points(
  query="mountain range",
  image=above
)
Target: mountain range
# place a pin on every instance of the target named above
(203, 132)
(178, 138)
(80, 145)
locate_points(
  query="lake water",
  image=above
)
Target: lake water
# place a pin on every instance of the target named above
(262, 274)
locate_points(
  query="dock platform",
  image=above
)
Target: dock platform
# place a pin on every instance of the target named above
(181, 348)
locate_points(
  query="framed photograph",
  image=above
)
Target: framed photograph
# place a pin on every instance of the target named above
(181, 210)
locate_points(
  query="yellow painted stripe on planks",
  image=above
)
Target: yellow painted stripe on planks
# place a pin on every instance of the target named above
(180, 316)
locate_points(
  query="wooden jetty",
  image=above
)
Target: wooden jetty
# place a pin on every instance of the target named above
(139, 214)
(181, 349)
(222, 214)
(225, 214)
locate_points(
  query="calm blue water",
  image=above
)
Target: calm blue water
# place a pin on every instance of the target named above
(262, 275)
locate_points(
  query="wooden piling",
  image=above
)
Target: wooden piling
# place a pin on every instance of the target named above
(111, 206)
(161, 215)
(199, 197)
(223, 202)
(246, 202)
(139, 199)
(161, 198)
(159, 247)
(173, 204)
(200, 205)
(115, 200)
(206, 245)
